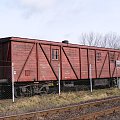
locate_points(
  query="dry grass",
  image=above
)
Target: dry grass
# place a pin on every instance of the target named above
(53, 100)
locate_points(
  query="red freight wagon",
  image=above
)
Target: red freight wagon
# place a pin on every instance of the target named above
(36, 64)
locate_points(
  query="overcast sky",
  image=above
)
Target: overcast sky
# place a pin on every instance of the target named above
(58, 19)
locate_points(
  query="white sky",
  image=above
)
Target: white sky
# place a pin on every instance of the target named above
(57, 20)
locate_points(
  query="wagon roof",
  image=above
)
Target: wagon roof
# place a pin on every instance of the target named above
(28, 40)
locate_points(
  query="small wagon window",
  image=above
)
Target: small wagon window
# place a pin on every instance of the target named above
(55, 54)
(98, 56)
(27, 72)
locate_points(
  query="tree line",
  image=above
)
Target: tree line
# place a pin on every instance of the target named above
(108, 40)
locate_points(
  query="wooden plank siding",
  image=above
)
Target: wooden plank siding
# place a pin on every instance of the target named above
(33, 60)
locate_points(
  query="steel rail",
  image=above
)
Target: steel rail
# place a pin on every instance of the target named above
(43, 114)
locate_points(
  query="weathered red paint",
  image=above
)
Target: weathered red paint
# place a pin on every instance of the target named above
(33, 60)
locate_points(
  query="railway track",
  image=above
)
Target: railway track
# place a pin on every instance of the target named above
(83, 111)
(94, 115)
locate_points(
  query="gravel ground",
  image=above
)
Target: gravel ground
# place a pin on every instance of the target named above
(75, 113)
(115, 116)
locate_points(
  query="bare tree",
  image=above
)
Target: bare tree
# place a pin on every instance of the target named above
(83, 39)
(90, 39)
(104, 40)
(113, 40)
(110, 40)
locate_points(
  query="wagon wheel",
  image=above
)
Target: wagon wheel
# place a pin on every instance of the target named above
(16, 92)
(44, 89)
(26, 91)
